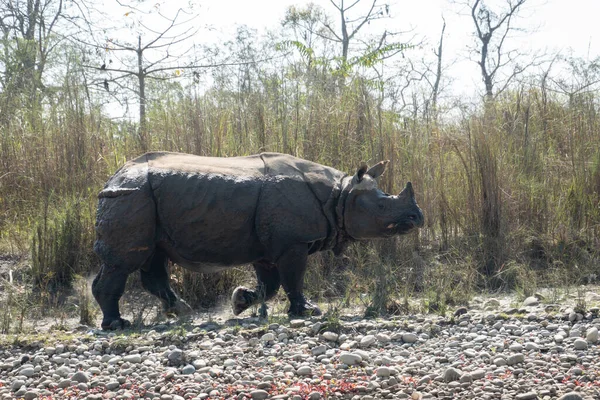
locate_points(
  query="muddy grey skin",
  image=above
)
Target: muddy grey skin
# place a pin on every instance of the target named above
(208, 214)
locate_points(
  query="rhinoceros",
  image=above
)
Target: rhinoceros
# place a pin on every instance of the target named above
(208, 214)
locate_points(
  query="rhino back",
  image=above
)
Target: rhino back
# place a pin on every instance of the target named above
(191, 164)
(320, 178)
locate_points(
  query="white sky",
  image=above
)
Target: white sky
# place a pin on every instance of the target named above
(558, 25)
(562, 23)
(554, 25)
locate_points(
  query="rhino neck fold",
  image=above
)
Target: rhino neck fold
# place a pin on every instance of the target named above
(339, 236)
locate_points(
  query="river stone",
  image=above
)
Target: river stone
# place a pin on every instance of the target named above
(175, 356)
(16, 385)
(188, 370)
(350, 358)
(479, 373)
(229, 363)
(527, 396)
(516, 347)
(515, 359)
(304, 370)
(30, 395)
(297, 323)
(64, 383)
(424, 380)
(318, 350)
(133, 358)
(500, 361)
(383, 338)
(114, 360)
(331, 336)
(592, 335)
(470, 353)
(451, 375)
(367, 341)
(28, 372)
(63, 371)
(580, 344)
(571, 396)
(531, 346)
(80, 377)
(268, 337)
(259, 394)
(531, 301)
(409, 337)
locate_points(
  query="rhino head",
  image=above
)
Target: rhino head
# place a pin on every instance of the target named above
(371, 213)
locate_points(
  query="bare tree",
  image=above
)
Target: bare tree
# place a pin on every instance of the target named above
(492, 29)
(27, 29)
(154, 54)
(417, 84)
(31, 31)
(435, 88)
(350, 26)
(313, 22)
(308, 26)
(582, 77)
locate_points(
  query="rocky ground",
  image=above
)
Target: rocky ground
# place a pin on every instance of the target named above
(496, 348)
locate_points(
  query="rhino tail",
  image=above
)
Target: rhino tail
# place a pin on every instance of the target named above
(116, 192)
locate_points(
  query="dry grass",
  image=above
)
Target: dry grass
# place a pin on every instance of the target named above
(508, 193)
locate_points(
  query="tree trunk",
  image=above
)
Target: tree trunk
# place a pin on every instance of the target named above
(438, 75)
(142, 82)
(485, 74)
(345, 38)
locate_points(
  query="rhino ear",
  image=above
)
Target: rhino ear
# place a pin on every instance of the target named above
(361, 171)
(378, 169)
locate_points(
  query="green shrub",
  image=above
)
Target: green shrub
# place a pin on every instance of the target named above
(61, 246)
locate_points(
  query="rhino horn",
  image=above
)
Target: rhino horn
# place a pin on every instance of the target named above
(378, 169)
(408, 191)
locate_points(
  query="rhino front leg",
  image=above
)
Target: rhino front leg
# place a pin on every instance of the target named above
(268, 283)
(292, 266)
(107, 288)
(155, 279)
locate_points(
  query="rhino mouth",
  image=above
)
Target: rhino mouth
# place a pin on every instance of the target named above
(400, 228)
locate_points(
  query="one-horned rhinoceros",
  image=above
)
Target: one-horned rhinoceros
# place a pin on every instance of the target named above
(210, 213)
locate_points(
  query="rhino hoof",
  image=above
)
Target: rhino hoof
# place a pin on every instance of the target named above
(239, 299)
(116, 324)
(180, 309)
(305, 310)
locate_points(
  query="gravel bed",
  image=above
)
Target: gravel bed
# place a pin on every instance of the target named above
(486, 351)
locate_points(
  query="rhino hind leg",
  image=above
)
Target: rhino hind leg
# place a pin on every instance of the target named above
(125, 232)
(155, 279)
(292, 266)
(107, 288)
(268, 283)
